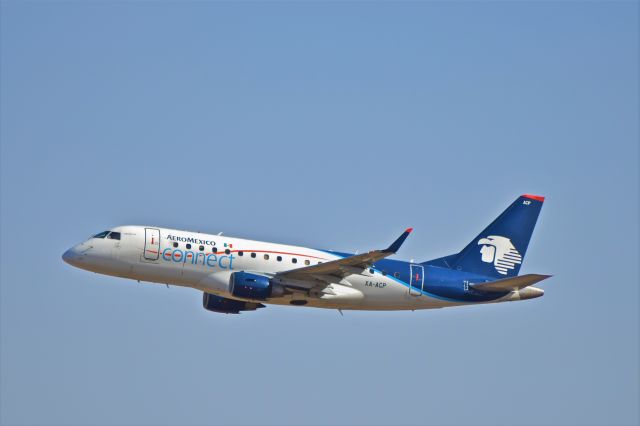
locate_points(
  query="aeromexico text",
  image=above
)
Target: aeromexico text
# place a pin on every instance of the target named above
(191, 240)
(196, 257)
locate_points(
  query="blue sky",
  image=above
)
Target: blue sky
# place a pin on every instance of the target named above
(331, 125)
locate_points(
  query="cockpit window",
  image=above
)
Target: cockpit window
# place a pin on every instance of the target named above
(101, 235)
(114, 236)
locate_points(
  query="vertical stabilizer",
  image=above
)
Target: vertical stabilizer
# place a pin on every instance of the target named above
(499, 250)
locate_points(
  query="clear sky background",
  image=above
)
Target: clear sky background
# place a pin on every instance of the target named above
(330, 125)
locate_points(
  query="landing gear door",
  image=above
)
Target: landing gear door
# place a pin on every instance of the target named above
(416, 282)
(151, 244)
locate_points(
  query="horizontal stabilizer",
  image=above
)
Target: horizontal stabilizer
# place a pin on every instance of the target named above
(510, 284)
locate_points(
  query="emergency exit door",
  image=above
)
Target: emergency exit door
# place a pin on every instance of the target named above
(151, 243)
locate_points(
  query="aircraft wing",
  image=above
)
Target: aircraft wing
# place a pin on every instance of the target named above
(510, 284)
(347, 265)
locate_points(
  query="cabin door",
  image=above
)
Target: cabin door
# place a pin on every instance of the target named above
(151, 243)
(416, 282)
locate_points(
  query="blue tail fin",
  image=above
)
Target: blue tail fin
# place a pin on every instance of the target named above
(499, 250)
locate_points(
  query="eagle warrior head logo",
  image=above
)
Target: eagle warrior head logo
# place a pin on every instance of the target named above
(499, 251)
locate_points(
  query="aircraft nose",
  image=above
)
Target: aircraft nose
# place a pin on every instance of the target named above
(71, 256)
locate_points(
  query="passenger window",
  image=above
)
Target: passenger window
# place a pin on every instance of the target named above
(306, 262)
(396, 274)
(384, 273)
(214, 249)
(371, 271)
(266, 257)
(279, 258)
(294, 260)
(227, 251)
(253, 255)
(114, 236)
(175, 245)
(201, 248)
(240, 253)
(101, 235)
(188, 246)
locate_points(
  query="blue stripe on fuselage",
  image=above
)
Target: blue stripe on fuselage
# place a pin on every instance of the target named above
(446, 281)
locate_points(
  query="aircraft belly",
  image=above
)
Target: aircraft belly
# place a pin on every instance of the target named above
(362, 293)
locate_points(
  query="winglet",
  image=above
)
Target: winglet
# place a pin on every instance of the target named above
(393, 248)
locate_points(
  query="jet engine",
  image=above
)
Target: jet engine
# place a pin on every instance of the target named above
(253, 286)
(214, 303)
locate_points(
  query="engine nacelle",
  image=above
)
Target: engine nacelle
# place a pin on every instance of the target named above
(214, 303)
(250, 286)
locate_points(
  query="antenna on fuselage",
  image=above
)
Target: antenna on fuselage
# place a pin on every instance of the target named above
(220, 233)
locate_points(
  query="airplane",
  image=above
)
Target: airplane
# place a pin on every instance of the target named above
(237, 275)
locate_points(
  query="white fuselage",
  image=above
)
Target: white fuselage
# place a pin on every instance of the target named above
(206, 262)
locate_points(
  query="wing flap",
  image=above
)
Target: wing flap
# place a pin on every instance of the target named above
(510, 284)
